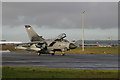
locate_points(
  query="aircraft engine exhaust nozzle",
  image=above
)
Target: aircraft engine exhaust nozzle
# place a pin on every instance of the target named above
(72, 46)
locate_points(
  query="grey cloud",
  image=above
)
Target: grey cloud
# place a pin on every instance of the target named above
(60, 15)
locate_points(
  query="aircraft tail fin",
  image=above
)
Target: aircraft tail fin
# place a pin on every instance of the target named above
(32, 34)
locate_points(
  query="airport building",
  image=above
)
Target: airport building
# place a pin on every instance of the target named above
(98, 43)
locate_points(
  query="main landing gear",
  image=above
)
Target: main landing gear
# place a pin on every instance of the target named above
(52, 54)
(63, 54)
(38, 54)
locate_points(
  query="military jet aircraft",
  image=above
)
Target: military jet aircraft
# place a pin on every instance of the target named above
(41, 45)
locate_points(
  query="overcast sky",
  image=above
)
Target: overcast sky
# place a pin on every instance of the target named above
(49, 19)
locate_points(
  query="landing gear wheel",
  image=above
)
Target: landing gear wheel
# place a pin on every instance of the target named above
(53, 54)
(63, 54)
(38, 54)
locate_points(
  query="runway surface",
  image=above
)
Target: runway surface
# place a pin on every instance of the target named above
(69, 61)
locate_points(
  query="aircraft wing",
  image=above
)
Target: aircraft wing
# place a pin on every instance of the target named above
(34, 46)
(30, 43)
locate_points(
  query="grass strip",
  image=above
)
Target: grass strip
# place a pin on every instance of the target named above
(31, 72)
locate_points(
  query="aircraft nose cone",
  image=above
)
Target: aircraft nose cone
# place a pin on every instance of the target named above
(72, 46)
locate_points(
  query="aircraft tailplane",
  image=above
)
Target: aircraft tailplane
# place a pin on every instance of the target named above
(32, 34)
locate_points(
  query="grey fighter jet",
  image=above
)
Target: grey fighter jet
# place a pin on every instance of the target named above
(41, 45)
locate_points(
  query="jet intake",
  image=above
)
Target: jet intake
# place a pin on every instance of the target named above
(72, 46)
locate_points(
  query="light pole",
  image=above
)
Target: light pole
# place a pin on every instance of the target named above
(83, 12)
